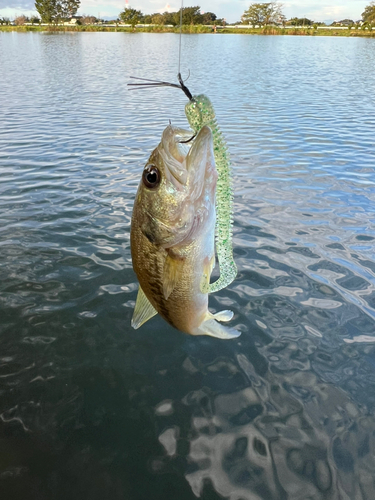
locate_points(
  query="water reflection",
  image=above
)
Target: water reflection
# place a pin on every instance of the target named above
(286, 434)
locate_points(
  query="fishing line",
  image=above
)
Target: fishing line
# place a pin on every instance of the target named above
(199, 112)
(179, 50)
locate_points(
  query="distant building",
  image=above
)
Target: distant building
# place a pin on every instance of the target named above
(73, 20)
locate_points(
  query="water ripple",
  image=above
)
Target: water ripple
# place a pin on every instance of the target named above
(88, 404)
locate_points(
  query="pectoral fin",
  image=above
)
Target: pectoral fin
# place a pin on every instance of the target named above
(143, 310)
(172, 273)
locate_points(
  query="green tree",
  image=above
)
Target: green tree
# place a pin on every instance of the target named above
(263, 14)
(300, 21)
(46, 10)
(169, 18)
(368, 15)
(147, 19)
(53, 11)
(157, 19)
(131, 16)
(346, 22)
(190, 15)
(66, 9)
(208, 18)
(281, 19)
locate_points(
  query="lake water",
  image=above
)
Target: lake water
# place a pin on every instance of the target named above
(90, 408)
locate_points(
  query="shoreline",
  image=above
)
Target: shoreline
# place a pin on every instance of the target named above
(196, 29)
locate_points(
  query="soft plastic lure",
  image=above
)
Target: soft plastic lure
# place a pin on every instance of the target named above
(200, 112)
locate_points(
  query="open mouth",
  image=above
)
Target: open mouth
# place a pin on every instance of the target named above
(185, 155)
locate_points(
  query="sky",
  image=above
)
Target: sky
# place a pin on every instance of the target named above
(231, 10)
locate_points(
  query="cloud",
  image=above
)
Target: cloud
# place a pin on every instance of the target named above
(318, 10)
(17, 5)
(110, 5)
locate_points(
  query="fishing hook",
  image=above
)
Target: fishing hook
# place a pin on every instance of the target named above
(191, 138)
(156, 83)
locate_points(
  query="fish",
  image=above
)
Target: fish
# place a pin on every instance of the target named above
(172, 235)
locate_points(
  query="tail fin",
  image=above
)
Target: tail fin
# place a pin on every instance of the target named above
(214, 329)
(226, 315)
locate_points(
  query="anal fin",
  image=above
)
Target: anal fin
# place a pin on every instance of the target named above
(143, 310)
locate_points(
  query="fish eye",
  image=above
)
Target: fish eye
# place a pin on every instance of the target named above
(151, 176)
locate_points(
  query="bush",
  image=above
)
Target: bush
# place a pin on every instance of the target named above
(21, 20)
(88, 19)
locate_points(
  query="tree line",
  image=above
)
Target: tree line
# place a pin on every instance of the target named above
(190, 15)
(258, 14)
(270, 13)
(56, 11)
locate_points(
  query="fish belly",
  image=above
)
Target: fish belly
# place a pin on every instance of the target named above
(186, 308)
(186, 305)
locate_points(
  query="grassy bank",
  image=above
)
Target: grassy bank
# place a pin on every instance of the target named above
(198, 29)
(126, 29)
(270, 30)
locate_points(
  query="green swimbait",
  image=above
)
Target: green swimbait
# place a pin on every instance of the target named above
(200, 112)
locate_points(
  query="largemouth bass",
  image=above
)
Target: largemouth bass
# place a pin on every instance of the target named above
(173, 235)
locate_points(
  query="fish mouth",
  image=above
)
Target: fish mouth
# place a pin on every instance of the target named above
(187, 193)
(188, 159)
(173, 149)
